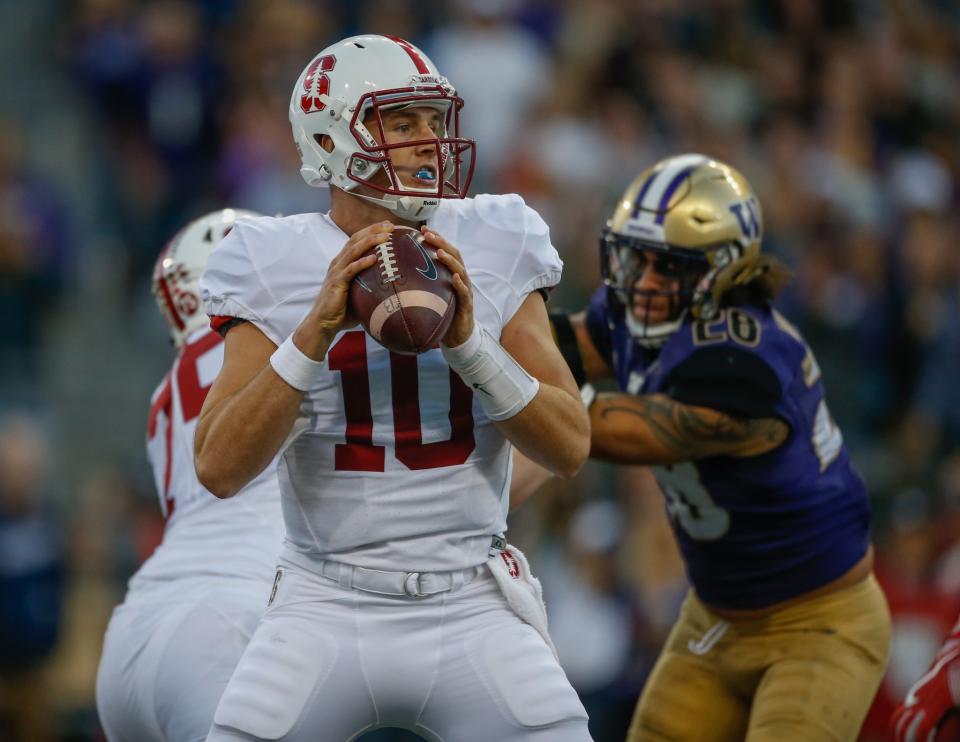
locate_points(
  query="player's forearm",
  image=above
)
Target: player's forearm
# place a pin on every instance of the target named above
(621, 433)
(238, 438)
(553, 430)
(655, 429)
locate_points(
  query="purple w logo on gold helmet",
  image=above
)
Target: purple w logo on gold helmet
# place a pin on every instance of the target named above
(747, 213)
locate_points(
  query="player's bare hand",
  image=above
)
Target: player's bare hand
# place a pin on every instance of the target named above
(462, 324)
(331, 312)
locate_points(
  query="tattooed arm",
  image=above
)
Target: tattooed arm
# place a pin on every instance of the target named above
(655, 429)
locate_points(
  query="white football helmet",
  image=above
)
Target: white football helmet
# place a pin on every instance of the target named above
(360, 77)
(176, 274)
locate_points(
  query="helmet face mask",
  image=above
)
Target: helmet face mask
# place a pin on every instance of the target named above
(345, 94)
(625, 260)
(699, 223)
(454, 155)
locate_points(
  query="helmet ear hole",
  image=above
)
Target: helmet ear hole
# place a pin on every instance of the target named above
(324, 141)
(727, 254)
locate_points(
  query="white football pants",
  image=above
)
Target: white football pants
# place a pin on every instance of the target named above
(165, 664)
(331, 663)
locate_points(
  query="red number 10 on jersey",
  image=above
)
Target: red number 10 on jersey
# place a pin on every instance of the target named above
(349, 357)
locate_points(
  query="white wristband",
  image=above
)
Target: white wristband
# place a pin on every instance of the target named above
(588, 395)
(294, 367)
(502, 385)
(461, 354)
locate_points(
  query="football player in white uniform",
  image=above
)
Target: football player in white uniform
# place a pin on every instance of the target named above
(190, 610)
(397, 603)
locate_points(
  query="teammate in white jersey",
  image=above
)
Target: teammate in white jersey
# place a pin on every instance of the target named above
(190, 610)
(394, 469)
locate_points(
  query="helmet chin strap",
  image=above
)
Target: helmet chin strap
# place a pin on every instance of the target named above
(411, 208)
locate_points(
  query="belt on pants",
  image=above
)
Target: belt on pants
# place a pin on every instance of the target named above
(409, 584)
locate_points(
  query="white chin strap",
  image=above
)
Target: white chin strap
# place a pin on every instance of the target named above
(411, 208)
(652, 336)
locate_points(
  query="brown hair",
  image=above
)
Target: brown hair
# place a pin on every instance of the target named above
(771, 277)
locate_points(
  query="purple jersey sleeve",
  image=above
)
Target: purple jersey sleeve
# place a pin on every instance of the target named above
(728, 379)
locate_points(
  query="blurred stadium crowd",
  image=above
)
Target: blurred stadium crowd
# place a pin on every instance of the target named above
(120, 120)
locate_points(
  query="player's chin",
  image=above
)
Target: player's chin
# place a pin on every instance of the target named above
(651, 315)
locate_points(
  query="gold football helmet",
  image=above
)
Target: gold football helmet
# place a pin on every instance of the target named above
(697, 221)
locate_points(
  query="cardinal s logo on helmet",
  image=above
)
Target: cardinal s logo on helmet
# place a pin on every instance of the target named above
(685, 232)
(343, 93)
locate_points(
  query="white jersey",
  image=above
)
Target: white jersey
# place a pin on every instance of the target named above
(393, 464)
(206, 539)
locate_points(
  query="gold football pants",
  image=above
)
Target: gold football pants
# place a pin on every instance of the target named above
(806, 673)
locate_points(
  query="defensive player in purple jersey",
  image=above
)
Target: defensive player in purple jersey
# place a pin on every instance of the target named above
(785, 633)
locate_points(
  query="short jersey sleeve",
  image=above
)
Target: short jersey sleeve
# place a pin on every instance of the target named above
(539, 266)
(739, 362)
(517, 248)
(734, 380)
(232, 287)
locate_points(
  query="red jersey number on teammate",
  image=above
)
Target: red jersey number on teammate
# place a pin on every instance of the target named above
(191, 395)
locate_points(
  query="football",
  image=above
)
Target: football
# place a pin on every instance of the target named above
(406, 299)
